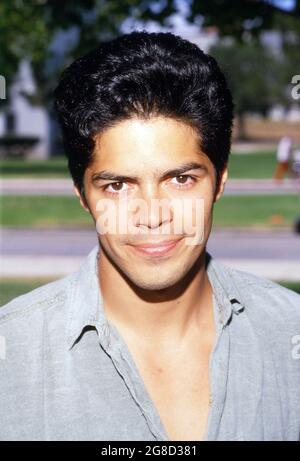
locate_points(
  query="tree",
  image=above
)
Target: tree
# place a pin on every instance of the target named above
(254, 76)
(29, 28)
(241, 18)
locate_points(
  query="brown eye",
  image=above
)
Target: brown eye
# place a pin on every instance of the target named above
(183, 180)
(182, 177)
(114, 188)
(117, 185)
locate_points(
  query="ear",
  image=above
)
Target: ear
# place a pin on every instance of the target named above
(82, 200)
(223, 179)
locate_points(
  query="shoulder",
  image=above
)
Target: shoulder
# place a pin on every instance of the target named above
(26, 314)
(267, 303)
(40, 298)
(268, 330)
(271, 292)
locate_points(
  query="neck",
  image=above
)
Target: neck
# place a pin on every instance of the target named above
(163, 317)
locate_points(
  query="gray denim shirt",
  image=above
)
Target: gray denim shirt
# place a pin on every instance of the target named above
(66, 373)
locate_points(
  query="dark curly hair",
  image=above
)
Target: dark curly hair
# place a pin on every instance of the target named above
(143, 74)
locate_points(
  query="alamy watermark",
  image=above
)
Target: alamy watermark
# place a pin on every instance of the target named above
(179, 216)
(2, 348)
(295, 340)
(296, 89)
(2, 87)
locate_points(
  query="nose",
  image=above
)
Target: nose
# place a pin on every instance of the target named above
(154, 211)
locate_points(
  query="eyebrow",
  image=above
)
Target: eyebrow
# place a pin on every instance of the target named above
(105, 174)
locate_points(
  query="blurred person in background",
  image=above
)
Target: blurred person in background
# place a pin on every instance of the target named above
(283, 156)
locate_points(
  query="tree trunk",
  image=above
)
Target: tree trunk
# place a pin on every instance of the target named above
(241, 134)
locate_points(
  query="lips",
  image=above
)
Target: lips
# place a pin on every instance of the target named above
(157, 248)
(163, 243)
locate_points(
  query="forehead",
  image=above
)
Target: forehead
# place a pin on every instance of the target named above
(156, 143)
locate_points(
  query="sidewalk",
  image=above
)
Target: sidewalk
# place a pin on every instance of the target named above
(55, 266)
(54, 253)
(52, 187)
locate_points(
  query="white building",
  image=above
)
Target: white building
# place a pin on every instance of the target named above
(22, 118)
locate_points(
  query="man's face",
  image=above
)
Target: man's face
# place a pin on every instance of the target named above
(143, 151)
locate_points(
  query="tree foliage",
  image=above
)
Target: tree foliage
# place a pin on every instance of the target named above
(29, 29)
(239, 18)
(255, 76)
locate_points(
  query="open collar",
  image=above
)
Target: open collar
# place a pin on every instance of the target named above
(85, 307)
(228, 296)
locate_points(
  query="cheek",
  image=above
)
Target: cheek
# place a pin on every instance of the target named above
(190, 215)
(97, 205)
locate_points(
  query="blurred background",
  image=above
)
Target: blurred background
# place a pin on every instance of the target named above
(45, 234)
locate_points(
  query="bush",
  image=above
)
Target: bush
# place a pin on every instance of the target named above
(16, 146)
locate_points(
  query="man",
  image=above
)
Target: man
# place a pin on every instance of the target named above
(284, 151)
(152, 338)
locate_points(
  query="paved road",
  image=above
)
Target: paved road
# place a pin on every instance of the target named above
(236, 244)
(54, 253)
(26, 186)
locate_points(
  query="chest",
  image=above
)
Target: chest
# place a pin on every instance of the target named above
(180, 391)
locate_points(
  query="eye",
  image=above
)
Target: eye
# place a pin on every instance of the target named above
(183, 180)
(116, 187)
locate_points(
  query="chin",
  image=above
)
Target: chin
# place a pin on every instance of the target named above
(152, 285)
(155, 279)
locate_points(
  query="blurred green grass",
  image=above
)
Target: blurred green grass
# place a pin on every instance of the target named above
(10, 288)
(256, 211)
(55, 167)
(43, 211)
(248, 211)
(256, 165)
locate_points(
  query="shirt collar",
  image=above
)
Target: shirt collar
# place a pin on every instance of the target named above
(228, 297)
(86, 303)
